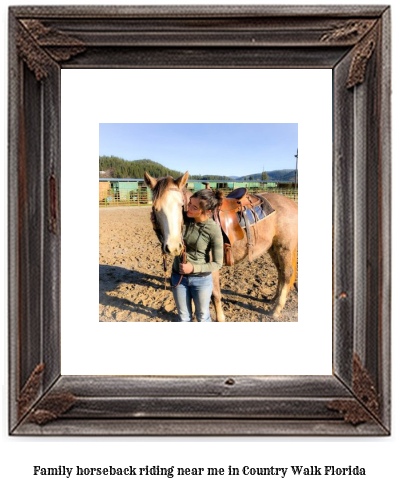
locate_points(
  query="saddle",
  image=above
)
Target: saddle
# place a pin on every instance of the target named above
(237, 214)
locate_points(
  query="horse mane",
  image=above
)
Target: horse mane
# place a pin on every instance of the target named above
(186, 197)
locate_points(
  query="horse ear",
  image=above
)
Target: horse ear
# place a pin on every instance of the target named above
(182, 180)
(150, 181)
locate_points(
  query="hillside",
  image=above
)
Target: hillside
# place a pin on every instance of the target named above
(115, 167)
(284, 175)
(124, 169)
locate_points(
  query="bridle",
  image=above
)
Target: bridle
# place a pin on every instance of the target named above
(158, 231)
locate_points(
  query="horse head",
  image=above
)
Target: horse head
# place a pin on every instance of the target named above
(168, 201)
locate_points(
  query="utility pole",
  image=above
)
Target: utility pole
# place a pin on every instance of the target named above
(296, 169)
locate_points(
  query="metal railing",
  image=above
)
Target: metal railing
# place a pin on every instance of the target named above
(138, 197)
(288, 192)
(142, 196)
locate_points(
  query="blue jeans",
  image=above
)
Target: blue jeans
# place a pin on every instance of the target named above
(197, 288)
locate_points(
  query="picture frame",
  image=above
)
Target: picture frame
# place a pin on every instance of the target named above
(352, 41)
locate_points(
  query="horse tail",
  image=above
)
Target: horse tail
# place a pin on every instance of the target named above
(294, 266)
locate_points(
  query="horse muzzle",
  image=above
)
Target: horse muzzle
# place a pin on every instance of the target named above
(173, 249)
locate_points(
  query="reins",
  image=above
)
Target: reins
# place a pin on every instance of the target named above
(183, 254)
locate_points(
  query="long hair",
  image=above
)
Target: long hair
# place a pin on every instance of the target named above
(209, 199)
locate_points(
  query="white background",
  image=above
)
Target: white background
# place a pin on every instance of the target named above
(377, 455)
(245, 96)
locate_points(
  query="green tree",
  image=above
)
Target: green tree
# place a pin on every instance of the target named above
(124, 169)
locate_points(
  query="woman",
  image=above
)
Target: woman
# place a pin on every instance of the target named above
(204, 251)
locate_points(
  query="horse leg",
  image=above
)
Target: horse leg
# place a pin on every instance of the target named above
(193, 308)
(276, 262)
(217, 297)
(287, 272)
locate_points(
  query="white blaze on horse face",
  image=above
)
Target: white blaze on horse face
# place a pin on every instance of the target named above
(170, 219)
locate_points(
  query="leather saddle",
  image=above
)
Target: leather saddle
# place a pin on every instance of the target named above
(240, 210)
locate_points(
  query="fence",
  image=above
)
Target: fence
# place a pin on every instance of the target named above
(133, 197)
(289, 192)
(114, 196)
(285, 191)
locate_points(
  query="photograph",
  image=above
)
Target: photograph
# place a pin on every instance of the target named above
(162, 190)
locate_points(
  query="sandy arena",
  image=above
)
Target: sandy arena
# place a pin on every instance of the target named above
(132, 287)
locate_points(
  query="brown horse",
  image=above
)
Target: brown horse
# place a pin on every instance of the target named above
(277, 234)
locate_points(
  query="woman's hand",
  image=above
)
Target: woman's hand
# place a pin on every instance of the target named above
(186, 268)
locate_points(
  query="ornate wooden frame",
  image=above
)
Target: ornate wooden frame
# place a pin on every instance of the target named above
(353, 41)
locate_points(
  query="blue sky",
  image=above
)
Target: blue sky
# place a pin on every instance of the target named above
(204, 148)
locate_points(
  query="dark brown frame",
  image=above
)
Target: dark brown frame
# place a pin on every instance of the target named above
(353, 41)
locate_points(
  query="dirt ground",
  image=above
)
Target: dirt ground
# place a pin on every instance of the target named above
(132, 286)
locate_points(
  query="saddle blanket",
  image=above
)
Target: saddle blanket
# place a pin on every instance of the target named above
(254, 215)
